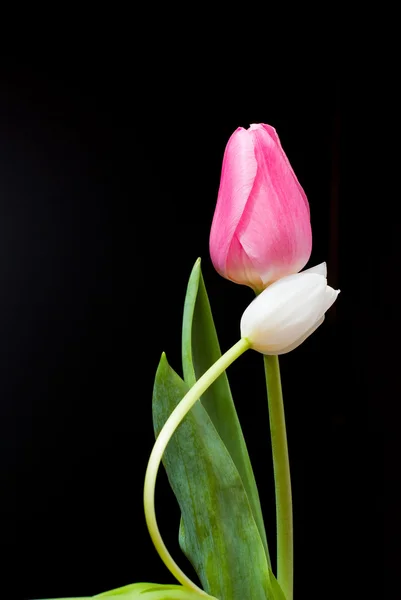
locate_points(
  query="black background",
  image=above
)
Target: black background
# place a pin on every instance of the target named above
(109, 171)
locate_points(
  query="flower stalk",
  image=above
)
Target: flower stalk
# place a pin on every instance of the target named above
(282, 478)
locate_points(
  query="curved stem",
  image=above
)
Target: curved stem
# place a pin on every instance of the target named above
(282, 479)
(163, 439)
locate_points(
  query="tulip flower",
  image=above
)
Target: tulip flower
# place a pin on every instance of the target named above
(288, 311)
(261, 227)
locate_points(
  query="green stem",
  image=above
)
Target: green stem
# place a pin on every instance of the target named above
(282, 480)
(163, 439)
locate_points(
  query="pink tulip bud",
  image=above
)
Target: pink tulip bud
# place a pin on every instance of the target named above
(261, 226)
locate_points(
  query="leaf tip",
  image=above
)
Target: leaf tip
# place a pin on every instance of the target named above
(163, 360)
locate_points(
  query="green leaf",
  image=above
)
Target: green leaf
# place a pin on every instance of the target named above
(152, 591)
(148, 591)
(222, 540)
(200, 349)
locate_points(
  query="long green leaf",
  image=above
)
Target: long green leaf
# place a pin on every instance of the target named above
(152, 591)
(146, 591)
(200, 349)
(222, 540)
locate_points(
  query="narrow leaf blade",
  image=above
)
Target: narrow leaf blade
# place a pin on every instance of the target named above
(152, 591)
(200, 349)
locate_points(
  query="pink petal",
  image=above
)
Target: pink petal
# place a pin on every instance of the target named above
(238, 173)
(274, 229)
(273, 134)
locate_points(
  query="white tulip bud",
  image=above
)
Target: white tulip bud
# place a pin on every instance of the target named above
(288, 311)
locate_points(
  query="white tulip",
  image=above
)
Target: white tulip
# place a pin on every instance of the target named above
(288, 311)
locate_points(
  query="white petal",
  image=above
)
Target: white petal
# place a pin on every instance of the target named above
(299, 341)
(331, 297)
(284, 312)
(319, 269)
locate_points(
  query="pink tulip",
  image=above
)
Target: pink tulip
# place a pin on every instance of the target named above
(261, 226)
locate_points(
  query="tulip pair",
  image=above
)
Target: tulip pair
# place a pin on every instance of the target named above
(261, 237)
